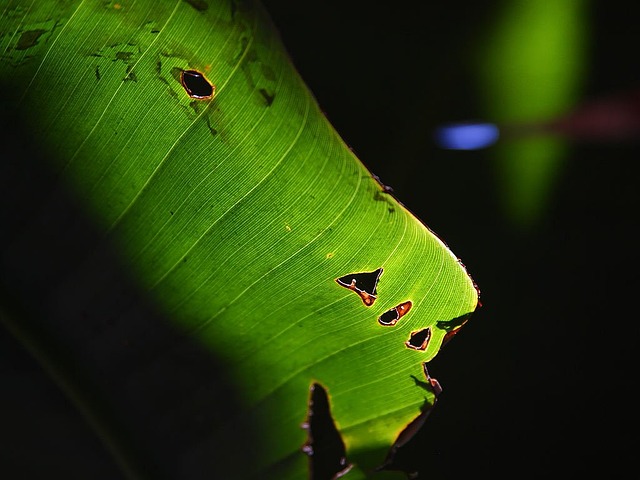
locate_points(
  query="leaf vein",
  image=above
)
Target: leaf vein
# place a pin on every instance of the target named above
(53, 43)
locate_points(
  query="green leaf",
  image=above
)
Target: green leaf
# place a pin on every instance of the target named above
(218, 230)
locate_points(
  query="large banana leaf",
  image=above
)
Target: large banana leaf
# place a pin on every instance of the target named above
(188, 265)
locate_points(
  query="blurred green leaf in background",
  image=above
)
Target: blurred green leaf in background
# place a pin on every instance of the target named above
(531, 64)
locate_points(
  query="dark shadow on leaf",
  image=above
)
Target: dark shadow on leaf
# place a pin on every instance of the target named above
(156, 393)
(452, 327)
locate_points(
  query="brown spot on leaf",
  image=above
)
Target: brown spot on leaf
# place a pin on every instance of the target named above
(268, 97)
(124, 56)
(212, 130)
(365, 284)
(131, 75)
(29, 38)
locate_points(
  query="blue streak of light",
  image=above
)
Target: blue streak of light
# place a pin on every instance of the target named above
(466, 136)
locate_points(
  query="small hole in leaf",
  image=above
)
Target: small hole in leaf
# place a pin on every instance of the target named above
(391, 316)
(325, 448)
(365, 284)
(196, 85)
(419, 340)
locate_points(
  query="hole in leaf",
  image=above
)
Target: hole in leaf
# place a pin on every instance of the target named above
(433, 386)
(419, 340)
(364, 284)
(391, 316)
(196, 85)
(325, 448)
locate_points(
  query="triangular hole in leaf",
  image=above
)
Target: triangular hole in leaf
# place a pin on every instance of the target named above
(365, 284)
(325, 448)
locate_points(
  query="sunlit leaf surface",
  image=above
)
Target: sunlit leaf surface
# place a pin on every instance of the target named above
(182, 131)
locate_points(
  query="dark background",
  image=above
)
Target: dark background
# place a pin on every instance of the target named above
(542, 381)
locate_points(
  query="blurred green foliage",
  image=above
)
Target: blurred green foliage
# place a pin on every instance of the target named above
(530, 66)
